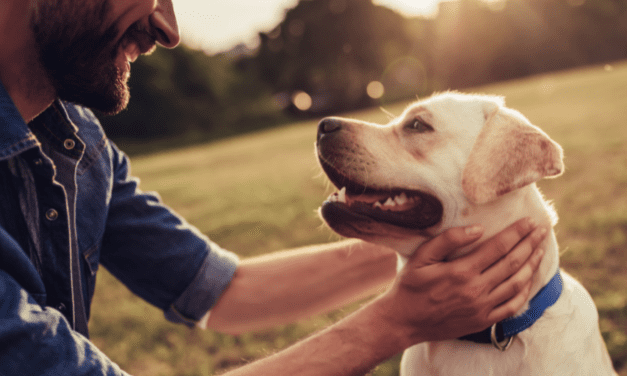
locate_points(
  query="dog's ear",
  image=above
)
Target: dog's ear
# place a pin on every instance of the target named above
(508, 154)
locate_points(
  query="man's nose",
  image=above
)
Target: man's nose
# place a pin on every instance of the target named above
(163, 20)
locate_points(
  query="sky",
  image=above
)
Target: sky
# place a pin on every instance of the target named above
(218, 25)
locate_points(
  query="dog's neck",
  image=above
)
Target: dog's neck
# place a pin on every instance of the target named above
(521, 203)
(494, 217)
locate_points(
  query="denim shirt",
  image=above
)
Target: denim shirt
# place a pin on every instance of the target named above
(66, 191)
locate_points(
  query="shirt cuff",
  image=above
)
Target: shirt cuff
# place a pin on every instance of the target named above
(213, 277)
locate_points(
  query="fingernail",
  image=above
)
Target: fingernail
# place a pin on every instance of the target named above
(474, 230)
(541, 232)
(532, 223)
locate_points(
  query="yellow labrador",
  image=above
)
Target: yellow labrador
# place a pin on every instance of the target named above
(453, 160)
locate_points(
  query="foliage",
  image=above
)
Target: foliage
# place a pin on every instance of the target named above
(332, 50)
(183, 94)
(235, 193)
(481, 42)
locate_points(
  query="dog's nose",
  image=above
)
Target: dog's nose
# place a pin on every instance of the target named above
(328, 125)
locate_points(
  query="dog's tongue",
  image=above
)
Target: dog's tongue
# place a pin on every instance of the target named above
(413, 210)
(426, 213)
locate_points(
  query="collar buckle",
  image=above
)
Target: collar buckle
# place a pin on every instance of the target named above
(503, 346)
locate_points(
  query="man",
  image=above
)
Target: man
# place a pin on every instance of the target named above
(68, 204)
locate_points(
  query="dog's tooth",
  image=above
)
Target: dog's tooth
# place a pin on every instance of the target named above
(389, 202)
(401, 199)
(341, 195)
(377, 205)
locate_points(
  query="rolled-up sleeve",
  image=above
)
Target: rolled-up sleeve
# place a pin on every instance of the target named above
(213, 277)
(158, 255)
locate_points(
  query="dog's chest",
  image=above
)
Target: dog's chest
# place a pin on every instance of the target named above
(565, 341)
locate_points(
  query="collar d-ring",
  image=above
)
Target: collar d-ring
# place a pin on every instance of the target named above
(501, 346)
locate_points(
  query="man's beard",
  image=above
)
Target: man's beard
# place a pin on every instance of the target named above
(78, 56)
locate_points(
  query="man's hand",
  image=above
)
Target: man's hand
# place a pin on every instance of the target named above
(437, 300)
(429, 300)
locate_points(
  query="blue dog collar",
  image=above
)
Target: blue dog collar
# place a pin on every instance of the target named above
(505, 330)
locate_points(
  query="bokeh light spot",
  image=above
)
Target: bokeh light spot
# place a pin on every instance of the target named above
(375, 90)
(302, 100)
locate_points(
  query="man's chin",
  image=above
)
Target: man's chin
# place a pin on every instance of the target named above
(112, 106)
(110, 97)
(106, 105)
(110, 111)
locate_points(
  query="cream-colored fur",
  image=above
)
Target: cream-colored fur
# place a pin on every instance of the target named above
(480, 159)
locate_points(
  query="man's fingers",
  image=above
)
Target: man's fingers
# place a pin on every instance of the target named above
(514, 261)
(500, 245)
(509, 308)
(438, 248)
(517, 283)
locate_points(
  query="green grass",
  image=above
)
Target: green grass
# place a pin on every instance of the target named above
(258, 193)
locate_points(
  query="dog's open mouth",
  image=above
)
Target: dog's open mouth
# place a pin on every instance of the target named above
(411, 209)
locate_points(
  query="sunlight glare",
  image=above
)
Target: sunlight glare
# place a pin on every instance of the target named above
(412, 8)
(220, 25)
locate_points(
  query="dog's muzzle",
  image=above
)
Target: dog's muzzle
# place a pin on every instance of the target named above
(357, 202)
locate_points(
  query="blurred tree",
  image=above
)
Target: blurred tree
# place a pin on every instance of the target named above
(184, 93)
(167, 89)
(329, 51)
(332, 50)
(483, 41)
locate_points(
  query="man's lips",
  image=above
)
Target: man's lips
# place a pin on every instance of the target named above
(133, 48)
(131, 52)
(136, 41)
(124, 58)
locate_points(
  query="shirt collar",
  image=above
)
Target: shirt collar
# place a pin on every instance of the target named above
(15, 137)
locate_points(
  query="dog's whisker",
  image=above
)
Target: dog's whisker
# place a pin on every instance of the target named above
(564, 251)
(319, 175)
(390, 115)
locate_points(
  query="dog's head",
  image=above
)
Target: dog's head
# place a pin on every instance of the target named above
(429, 169)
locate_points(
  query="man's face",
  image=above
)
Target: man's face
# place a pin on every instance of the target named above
(86, 46)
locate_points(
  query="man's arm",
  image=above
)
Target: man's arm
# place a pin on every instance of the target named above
(430, 300)
(290, 285)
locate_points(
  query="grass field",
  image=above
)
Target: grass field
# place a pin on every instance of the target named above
(258, 193)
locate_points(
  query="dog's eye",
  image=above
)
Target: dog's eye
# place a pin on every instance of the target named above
(418, 125)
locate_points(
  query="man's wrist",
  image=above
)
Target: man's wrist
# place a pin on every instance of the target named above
(392, 327)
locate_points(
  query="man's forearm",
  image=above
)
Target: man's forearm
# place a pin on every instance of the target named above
(290, 285)
(352, 346)
(429, 300)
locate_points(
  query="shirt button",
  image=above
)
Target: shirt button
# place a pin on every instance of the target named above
(69, 144)
(52, 215)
